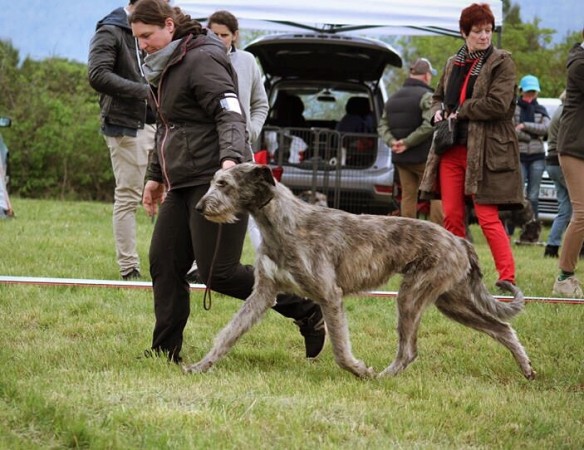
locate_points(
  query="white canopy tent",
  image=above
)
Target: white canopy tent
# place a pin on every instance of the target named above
(380, 17)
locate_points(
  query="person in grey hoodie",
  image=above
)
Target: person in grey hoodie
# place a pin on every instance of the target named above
(571, 151)
(127, 124)
(252, 96)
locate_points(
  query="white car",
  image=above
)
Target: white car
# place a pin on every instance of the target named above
(548, 202)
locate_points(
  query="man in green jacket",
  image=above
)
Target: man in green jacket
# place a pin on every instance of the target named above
(407, 129)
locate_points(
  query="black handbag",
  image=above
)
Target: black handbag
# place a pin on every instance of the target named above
(444, 135)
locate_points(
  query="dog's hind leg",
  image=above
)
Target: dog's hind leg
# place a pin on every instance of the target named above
(250, 313)
(338, 331)
(458, 307)
(412, 300)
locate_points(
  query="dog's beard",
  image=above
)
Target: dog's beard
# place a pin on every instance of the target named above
(214, 211)
(220, 217)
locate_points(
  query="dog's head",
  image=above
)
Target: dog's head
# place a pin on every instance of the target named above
(519, 217)
(531, 231)
(245, 187)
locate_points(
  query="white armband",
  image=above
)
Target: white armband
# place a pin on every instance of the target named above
(230, 102)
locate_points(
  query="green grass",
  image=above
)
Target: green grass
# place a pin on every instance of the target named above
(72, 377)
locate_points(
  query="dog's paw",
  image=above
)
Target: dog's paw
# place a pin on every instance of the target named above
(200, 367)
(530, 374)
(362, 371)
(370, 373)
(394, 369)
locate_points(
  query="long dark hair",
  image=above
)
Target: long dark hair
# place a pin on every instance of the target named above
(155, 12)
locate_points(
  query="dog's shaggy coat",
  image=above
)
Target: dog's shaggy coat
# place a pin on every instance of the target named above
(325, 254)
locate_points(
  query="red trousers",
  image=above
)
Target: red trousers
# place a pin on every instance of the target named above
(452, 175)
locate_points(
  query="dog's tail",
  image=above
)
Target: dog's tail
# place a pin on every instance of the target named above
(481, 297)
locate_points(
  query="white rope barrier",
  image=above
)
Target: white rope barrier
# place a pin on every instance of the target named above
(80, 282)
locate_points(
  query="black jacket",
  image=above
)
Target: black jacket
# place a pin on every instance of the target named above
(114, 73)
(571, 131)
(195, 129)
(404, 115)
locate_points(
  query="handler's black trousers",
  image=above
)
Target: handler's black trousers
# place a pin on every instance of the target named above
(181, 233)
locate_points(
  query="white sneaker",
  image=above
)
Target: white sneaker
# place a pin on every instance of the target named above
(570, 287)
(193, 268)
(193, 274)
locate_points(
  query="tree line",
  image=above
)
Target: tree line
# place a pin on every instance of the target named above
(57, 151)
(530, 45)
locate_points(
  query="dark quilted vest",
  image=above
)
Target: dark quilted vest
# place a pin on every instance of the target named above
(404, 116)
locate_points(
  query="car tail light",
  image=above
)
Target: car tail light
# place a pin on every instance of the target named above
(277, 172)
(261, 157)
(383, 189)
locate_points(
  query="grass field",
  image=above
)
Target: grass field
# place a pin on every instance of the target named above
(72, 375)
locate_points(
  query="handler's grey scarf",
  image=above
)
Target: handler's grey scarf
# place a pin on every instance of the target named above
(154, 63)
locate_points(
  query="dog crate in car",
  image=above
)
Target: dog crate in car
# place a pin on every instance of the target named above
(340, 165)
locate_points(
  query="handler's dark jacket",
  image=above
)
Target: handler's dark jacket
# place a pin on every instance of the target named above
(195, 129)
(114, 73)
(571, 132)
(493, 173)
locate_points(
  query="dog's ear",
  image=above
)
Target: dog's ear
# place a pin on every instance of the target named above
(261, 183)
(264, 172)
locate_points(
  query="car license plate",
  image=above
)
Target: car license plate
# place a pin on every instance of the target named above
(548, 192)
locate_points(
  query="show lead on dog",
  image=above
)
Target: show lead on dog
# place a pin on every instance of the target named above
(201, 129)
(478, 88)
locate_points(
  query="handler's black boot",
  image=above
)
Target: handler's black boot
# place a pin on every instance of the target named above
(313, 329)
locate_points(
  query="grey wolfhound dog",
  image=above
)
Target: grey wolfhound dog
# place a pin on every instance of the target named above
(325, 254)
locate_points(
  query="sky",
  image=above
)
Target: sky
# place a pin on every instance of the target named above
(44, 28)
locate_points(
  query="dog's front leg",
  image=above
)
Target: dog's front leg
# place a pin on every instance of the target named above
(338, 330)
(250, 313)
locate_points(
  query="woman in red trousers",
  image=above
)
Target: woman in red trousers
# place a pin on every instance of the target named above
(478, 89)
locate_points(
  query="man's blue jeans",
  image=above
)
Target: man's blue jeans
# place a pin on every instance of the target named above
(562, 219)
(532, 173)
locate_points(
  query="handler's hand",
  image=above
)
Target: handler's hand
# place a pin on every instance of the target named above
(154, 194)
(398, 146)
(228, 164)
(438, 116)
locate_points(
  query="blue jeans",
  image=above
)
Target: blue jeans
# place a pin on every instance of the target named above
(532, 173)
(562, 219)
